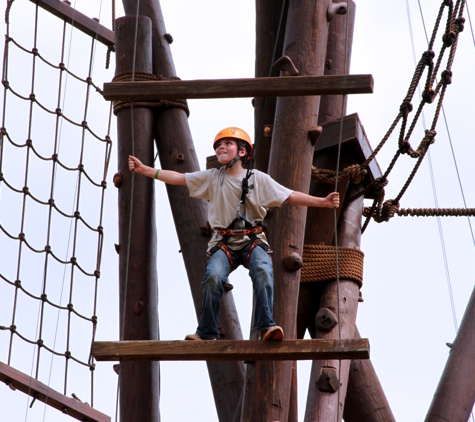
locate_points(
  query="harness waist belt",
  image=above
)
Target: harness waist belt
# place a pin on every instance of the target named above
(240, 232)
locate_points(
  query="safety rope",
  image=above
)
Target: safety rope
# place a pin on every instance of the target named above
(319, 264)
(17, 275)
(141, 75)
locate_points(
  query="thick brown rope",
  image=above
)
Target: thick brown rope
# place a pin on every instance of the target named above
(142, 76)
(319, 264)
(436, 212)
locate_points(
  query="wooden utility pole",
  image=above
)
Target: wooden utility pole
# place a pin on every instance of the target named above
(270, 29)
(455, 395)
(138, 381)
(176, 152)
(341, 297)
(290, 163)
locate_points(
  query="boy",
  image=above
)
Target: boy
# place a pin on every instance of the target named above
(236, 218)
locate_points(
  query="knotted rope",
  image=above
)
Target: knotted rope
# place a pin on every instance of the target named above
(143, 76)
(319, 264)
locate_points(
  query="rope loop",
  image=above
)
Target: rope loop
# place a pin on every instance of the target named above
(143, 76)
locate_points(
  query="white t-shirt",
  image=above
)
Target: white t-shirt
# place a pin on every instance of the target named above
(224, 193)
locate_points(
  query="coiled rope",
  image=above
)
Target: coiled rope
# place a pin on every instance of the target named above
(143, 76)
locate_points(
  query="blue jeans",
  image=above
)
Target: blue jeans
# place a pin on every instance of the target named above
(216, 276)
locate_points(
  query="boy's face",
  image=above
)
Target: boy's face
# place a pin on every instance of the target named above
(226, 150)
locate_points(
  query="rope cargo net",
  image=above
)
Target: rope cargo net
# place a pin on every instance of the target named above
(433, 91)
(53, 168)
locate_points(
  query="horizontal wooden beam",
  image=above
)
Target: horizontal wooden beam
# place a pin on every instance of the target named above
(85, 24)
(17, 380)
(284, 86)
(249, 350)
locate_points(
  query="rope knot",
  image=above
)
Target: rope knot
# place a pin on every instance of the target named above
(448, 3)
(428, 56)
(448, 38)
(404, 146)
(405, 108)
(389, 209)
(446, 77)
(355, 173)
(459, 24)
(379, 185)
(429, 95)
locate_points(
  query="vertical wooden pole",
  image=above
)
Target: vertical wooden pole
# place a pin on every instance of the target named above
(290, 163)
(323, 406)
(268, 41)
(176, 152)
(455, 395)
(139, 381)
(338, 54)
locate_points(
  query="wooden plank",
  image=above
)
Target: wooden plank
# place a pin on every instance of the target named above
(222, 350)
(283, 86)
(85, 24)
(76, 409)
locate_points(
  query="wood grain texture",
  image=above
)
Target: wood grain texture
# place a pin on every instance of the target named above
(284, 86)
(222, 350)
(78, 20)
(75, 408)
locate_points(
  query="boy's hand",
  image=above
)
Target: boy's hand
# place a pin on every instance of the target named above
(333, 200)
(135, 164)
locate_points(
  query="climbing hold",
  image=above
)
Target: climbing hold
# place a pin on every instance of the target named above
(328, 380)
(180, 158)
(117, 180)
(293, 262)
(314, 134)
(286, 65)
(325, 320)
(336, 9)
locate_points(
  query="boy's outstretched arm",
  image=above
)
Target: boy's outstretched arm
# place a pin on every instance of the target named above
(299, 198)
(167, 176)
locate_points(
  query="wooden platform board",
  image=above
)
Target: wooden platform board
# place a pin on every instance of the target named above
(283, 86)
(17, 380)
(221, 350)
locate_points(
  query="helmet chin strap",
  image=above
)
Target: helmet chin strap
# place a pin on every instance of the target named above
(232, 162)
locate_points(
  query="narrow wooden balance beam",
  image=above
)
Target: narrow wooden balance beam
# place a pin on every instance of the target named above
(283, 86)
(17, 380)
(249, 350)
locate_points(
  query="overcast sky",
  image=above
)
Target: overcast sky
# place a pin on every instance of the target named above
(406, 313)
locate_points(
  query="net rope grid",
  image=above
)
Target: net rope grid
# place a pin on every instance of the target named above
(381, 210)
(75, 217)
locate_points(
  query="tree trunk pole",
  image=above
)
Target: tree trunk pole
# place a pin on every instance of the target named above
(338, 48)
(176, 152)
(290, 163)
(455, 395)
(268, 40)
(139, 381)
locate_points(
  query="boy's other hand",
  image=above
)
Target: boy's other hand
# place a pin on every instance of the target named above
(333, 200)
(134, 164)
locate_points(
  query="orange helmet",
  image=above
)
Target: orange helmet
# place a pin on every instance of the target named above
(234, 133)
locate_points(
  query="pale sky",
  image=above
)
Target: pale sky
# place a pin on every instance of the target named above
(406, 313)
